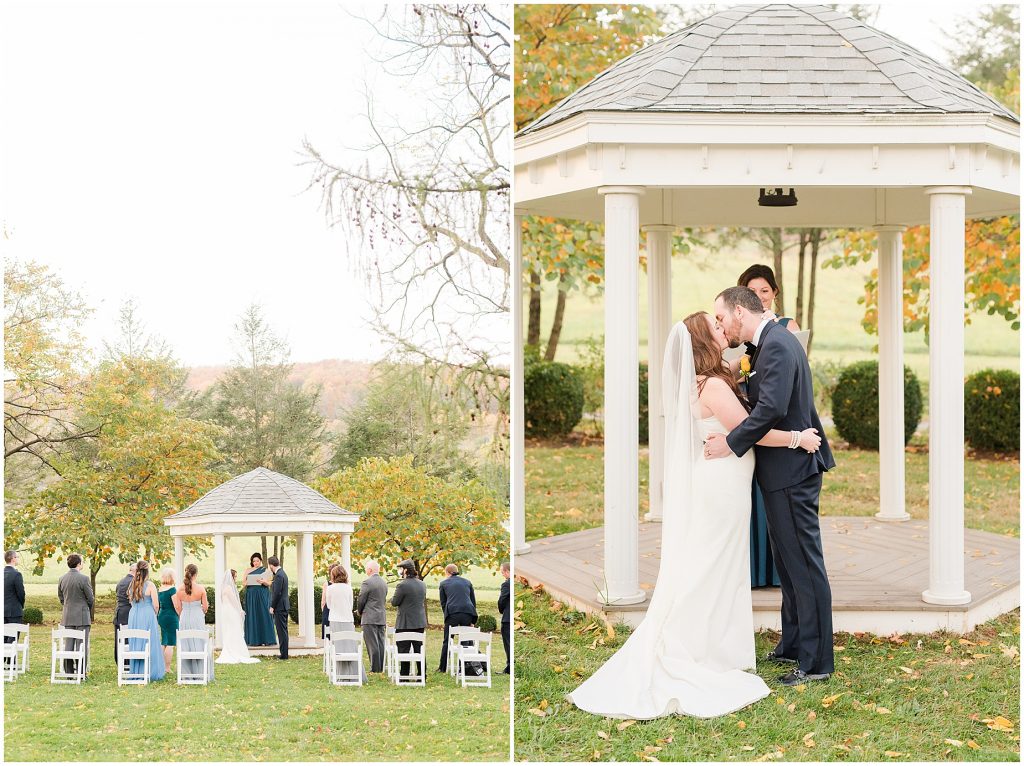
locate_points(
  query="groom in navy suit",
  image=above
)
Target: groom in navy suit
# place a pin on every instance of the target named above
(279, 604)
(781, 396)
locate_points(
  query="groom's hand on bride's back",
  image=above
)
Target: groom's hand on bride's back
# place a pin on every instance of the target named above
(716, 447)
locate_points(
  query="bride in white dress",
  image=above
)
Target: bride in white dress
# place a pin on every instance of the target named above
(690, 653)
(232, 623)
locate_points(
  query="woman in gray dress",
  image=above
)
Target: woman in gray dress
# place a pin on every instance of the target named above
(339, 601)
(191, 605)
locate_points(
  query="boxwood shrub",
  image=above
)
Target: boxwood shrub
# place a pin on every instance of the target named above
(992, 410)
(487, 623)
(554, 398)
(855, 404)
(32, 615)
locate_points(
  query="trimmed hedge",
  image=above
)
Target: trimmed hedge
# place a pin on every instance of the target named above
(855, 404)
(487, 623)
(645, 435)
(211, 596)
(992, 410)
(32, 615)
(293, 605)
(554, 398)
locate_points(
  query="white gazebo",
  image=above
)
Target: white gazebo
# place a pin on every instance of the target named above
(262, 502)
(869, 132)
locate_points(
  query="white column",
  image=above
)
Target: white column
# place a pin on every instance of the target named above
(219, 564)
(659, 300)
(517, 440)
(346, 552)
(891, 452)
(946, 397)
(179, 559)
(304, 543)
(621, 391)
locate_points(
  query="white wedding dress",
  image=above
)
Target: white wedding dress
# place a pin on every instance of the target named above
(689, 654)
(232, 624)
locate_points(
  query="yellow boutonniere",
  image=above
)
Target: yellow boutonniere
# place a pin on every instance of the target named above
(745, 366)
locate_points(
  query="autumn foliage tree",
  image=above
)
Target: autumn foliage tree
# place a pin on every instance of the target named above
(407, 513)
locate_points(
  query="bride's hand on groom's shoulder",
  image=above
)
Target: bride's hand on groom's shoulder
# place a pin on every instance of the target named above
(810, 440)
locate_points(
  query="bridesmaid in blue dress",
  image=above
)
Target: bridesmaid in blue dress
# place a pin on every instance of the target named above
(259, 625)
(145, 602)
(761, 279)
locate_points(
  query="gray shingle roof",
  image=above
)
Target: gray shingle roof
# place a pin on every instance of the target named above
(261, 491)
(777, 58)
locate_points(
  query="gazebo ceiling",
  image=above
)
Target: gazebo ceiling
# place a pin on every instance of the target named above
(262, 501)
(777, 58)
(772, 96)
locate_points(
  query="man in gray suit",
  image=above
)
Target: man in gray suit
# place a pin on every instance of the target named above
(411, 599)
(373, 594)
(123, 604)
(75, 593)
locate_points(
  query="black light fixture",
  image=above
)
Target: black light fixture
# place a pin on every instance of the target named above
(776, 198)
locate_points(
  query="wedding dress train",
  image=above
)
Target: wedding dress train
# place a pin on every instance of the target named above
(232, 624)
(689, 654)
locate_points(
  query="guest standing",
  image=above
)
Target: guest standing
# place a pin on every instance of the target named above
(145, 603)
(504, 602)
(191, 605)
(75, 593)
(259, 625)
(279, 604)
(325, 613)
(458, 605)
(411, 599)
(339, 602)
(168, 615)
(123, 607)
(372, 609)
(14, 592)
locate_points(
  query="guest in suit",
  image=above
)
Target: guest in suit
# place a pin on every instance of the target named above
(372, 609)
(75, 593)
(411, 600)
(124, 606)
(279, 604)
(504, 604)
(458, 605)
(14, 591)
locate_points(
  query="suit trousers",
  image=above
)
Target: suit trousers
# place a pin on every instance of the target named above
(404, 646)
(71, 644)
(795, 535)
(457, 620)
(281, 624)
(373, 637)
(505, 635)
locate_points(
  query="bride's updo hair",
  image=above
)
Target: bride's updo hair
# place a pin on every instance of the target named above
(139, 580)
(254, 557)
(190, 574)
(707, 356)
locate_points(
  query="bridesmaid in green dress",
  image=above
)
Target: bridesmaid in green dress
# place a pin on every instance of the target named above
(168, 615)
(761, 279)
(259, 625)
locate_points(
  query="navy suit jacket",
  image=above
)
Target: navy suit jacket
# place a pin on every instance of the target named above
(781, 393)
(457, 596)
(14, 595)
(279, 592)
(504, 600)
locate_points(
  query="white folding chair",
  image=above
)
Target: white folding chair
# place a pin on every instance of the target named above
(202, 652)
(389, 653)
(340, 654)
(455, 646)
(10, 668)
(21, 641)
(126, 655)
(480, 653)
(327, 649)
(58, 654)
(416, 659)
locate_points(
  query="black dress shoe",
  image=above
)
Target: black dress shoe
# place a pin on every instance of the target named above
(797, 677)
(773, 657)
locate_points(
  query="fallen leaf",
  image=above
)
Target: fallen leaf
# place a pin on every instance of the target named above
(812, 716)
(543, 705)
(908, 671)
(954, 742)
(741, 725)
(893, 754)
(747, 747)
(556, 668)
(791, 707)
(625, 725)
(603, 734)
(973, 745)
(827, 701)
(809, 739)
(883, 710)
(999, 723)
(537, 712)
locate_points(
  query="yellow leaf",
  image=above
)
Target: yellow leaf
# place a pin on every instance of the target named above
(883, 710)
(603, 734)
(610, 630)
(556, 668)
(973, 745)
(812, 716)
(893, 754)
(625, 725)
(791, 707)
(999, 723)
(543, 705)
(809, 739)
(954, 742)
(537, 712)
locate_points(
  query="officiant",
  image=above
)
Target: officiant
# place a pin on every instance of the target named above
(259, 625)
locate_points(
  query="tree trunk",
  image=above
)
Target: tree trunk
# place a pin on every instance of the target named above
(92, 581)
(533, 328)
(816, 236)
(556, 323)
(805, 239)
(776, 235)
(263, 548)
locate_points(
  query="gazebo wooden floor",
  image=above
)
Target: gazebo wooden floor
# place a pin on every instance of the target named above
(878, 571)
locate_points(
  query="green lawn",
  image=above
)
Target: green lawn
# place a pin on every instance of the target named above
(564, 488)
(902, 698)
(839, 337)
(273, 711)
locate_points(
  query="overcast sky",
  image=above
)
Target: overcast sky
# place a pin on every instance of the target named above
(150, 150)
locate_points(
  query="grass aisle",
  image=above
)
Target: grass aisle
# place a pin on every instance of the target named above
(273, 711)
(902, 698)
